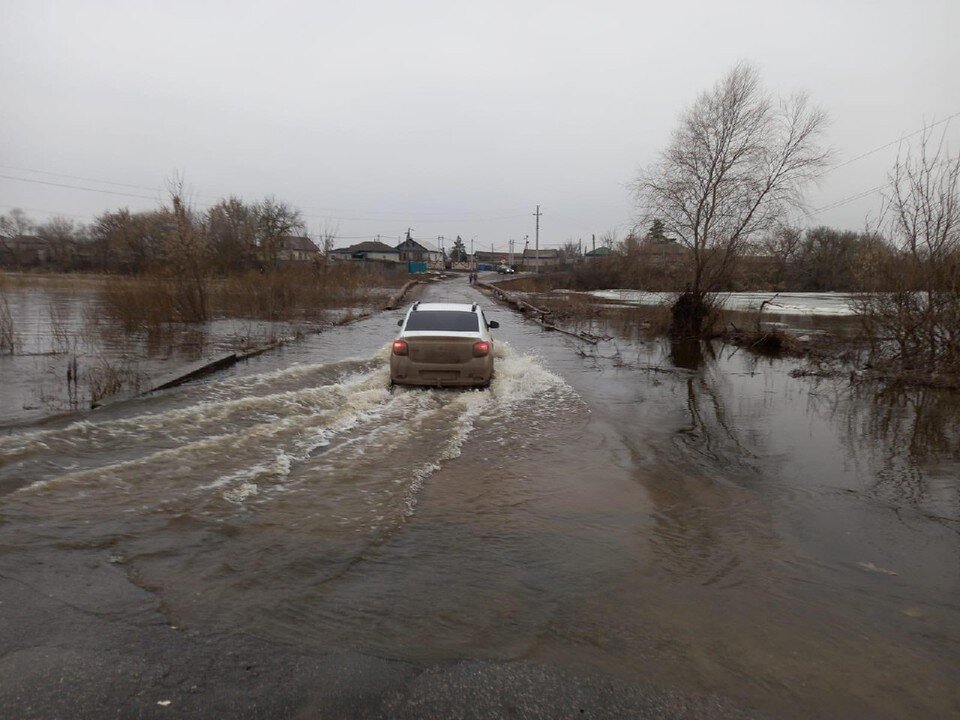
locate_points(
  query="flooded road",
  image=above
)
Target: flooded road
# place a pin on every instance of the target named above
(736, 539)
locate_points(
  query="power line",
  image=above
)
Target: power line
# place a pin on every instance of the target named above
(75, 177)
(77, 187)
(517, 212)
(892, 143)
(315, 217)
(844, 201)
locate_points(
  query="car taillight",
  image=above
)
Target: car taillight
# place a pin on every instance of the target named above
(400, 347)
(481, 348)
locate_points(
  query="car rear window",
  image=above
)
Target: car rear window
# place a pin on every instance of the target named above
(449, 320)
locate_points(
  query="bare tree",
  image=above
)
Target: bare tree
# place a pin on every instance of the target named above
(13, 227)
(784, 245)
(186, 258)
(16, 224)
(59, 234)
(736, 163)
(569, 252)
(608, 239)
(327, 236)
(232, 233)
(915, 325)
(275, 220)
(131, 242)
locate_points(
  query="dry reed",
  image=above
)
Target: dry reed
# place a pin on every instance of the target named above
(9, 339)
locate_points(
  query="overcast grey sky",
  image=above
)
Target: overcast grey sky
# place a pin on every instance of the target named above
(451, 118)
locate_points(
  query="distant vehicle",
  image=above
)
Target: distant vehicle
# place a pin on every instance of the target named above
(504, 269)
(443, 345)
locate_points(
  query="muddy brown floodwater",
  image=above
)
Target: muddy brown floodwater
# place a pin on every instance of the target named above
(712, 527)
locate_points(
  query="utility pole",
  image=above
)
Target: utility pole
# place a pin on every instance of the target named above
(536, 247)
(512, 241)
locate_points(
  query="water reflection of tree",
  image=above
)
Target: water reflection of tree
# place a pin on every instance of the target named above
(709, 431)
(905, 431)
(696, 531)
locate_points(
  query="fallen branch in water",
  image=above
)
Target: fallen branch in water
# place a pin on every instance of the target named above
(538, 315)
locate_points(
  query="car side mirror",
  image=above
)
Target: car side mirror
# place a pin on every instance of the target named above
(493, 324)
(400, 322)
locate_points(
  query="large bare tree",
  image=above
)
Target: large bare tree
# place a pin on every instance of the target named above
(737, 162)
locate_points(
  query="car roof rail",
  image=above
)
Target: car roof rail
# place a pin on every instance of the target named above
(474, 308)
(415, 305)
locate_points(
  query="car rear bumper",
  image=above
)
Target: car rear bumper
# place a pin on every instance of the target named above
(474, 372)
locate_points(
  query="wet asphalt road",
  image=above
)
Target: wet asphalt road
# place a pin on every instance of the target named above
(82, 638)
(79, 659)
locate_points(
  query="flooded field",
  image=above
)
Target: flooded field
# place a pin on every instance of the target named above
(799, 313)
(689, 519)
(785, 303)
(68, 355)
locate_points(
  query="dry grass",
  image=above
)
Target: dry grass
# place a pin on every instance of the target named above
(54, 280)
(571, 308)
(62, 339)
(583, 312)
(303, 293)
(139, 303)
(9, 339)
(300, 292)
(108, 378)
(535, 283)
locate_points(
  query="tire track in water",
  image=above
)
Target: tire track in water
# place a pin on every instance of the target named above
(83, 443)
(269, 437)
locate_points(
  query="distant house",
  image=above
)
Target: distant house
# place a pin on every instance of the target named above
(296, 248)
(419, 251)
(533, 259)
(369, 250)
(598, 253)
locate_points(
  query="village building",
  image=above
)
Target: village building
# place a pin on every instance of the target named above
(598, 253)
(368, 250)
(419, 251)
(541, 259)
(296, 248)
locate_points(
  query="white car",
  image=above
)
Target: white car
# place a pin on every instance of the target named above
(443, 345)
